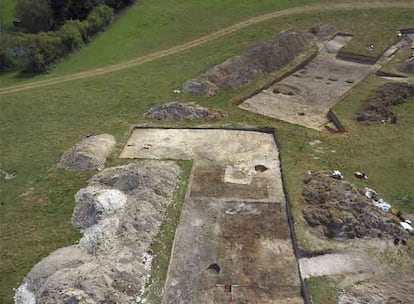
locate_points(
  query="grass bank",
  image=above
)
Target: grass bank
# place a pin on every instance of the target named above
(162, 246)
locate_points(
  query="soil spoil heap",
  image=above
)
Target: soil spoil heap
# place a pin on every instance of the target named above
(379, 108)
(343, 211)
(261, 59)
(182, 111)
(89, 154)
(119, 214)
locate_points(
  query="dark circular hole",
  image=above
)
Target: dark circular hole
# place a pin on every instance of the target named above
(214, 267)
(260, 168)
(301, 113)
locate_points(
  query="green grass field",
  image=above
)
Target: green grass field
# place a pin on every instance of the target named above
(38, 125)
(7, 14)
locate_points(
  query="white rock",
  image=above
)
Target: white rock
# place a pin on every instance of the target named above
(24, 295)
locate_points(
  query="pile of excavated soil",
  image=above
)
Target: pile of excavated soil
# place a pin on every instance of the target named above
(408, 66)
(89, 154)
(182, 111)
(379, 108)
(392, 291)
(343, 211)
(324, 32)
(263, 58)
(119, 214)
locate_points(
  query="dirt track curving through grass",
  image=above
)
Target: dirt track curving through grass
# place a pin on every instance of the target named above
(202, 40)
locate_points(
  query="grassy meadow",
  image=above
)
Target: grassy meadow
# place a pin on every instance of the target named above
(38, 125)
(7, 13)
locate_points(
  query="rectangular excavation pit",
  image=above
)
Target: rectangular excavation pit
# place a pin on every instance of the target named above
(250, 242)
(208, 182)
(305, 97)
(234, 216)
(223, 150)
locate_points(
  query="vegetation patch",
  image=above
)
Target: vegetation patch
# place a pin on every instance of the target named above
(162, 245)
(375, 38)
(35, 53)
(323, 290)
(7, 10)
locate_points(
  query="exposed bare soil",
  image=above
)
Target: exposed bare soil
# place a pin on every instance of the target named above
(234, 217)
(305, 97)
(391, 290)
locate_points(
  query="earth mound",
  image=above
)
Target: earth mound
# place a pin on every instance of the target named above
(181, 111)
(263, 58)
(89, 154)
(378, 109)
(119, 214)
(324, 32)
(408, 66)
(342, 211)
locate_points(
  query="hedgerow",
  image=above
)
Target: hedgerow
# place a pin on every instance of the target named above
(35, 53)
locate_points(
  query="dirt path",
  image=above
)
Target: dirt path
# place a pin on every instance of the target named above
(202, 40)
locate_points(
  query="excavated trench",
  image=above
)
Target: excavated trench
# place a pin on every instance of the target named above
(235, 227)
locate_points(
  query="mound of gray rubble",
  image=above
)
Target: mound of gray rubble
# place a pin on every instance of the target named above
(89, 154)
(343, 211)
(182, 111)
(379, 108)
(263, 58)
(119, 214)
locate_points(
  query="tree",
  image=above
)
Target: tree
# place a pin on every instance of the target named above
(72, 9)
(79, 10)
(35, 15)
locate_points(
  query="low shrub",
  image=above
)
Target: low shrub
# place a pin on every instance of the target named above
(71, 36)
(5, 60)
(64, 10)
(118, 4)
(36, 15)
(46, 49)
(98, 19)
